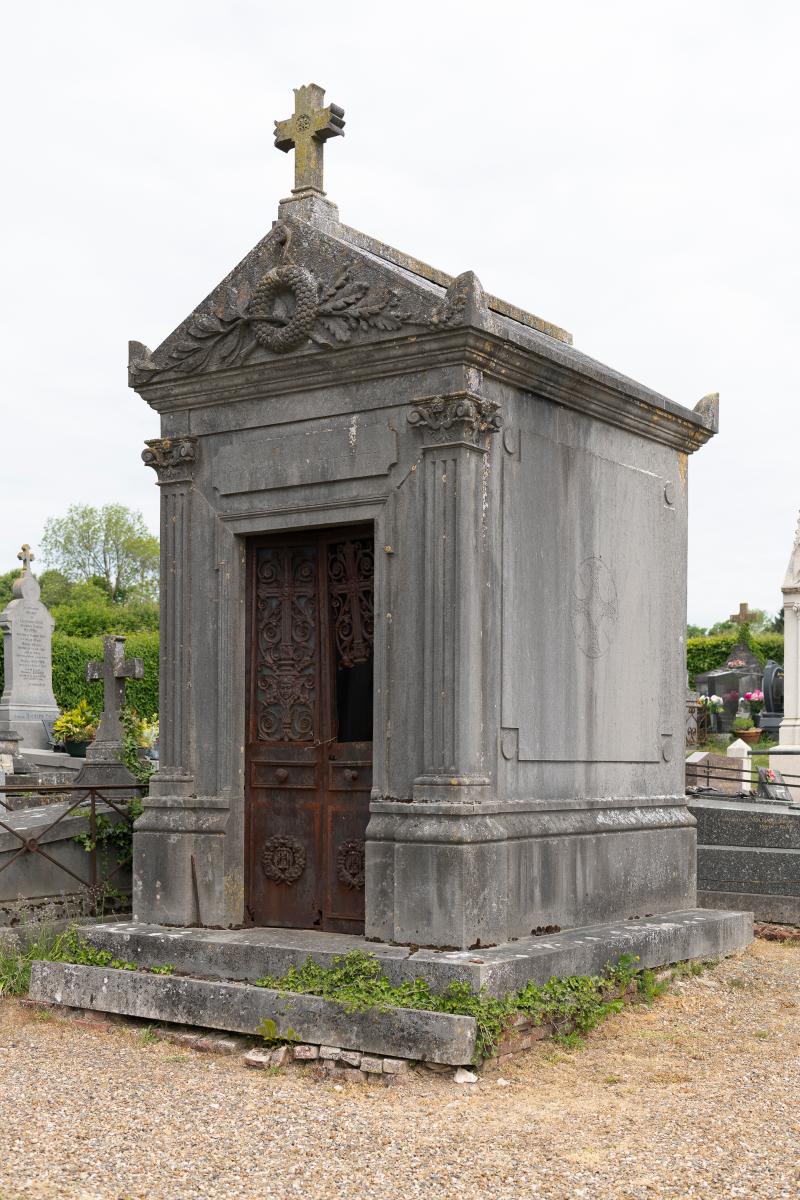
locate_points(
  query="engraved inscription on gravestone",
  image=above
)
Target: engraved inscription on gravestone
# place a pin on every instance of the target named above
(27, 629)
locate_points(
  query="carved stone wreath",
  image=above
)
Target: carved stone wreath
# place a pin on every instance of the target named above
(350, 864)
(290, 307)
(296, 283)
(283, 859)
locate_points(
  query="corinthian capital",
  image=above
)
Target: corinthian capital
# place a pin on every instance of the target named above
(460, 417)
(172, 459)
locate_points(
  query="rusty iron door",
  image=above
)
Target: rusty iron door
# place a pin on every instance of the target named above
(309, 722)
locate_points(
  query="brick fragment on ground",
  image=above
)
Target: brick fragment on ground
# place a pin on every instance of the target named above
(258, 1060)
(304, 1052)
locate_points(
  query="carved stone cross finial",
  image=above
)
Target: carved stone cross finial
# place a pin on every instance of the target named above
(305, 132)
(744, 616)
(26, 556)
(113, 670)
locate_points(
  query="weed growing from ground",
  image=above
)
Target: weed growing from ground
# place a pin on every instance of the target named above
(569, 1007)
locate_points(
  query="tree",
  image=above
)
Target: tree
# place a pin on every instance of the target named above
(110, 546)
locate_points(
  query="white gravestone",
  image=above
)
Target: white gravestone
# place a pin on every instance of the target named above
(786, 756)
(27, 634)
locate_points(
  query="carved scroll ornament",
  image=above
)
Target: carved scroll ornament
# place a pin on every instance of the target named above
(172, 459)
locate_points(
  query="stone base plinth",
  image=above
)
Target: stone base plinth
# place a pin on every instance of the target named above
(748, 856)
(249, 954)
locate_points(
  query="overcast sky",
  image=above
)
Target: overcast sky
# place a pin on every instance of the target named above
(628, 171)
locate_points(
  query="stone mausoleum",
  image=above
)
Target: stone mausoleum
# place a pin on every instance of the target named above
(423, 614)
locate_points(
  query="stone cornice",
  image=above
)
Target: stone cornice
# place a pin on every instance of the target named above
(543, 367)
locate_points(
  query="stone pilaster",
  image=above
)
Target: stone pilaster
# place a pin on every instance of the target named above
(456, 429)
(177, 851)
(173, 461)
(440, 863)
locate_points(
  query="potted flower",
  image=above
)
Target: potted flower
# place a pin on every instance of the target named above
(75, 728)
(755, 702)
(743, 728)
(712, 706)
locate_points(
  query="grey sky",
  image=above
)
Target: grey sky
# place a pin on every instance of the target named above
(626, 170)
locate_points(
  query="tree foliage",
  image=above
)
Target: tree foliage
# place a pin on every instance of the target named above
(110, 546)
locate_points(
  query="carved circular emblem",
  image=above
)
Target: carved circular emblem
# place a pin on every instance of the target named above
(594, 609)
(284, 308)
(303, 122)
(350, 864)
(283, 859)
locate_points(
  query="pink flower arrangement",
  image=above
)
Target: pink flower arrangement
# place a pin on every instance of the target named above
(755, 701)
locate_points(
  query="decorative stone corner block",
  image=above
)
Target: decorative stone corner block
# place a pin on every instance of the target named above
(172, 459)
(461, 417)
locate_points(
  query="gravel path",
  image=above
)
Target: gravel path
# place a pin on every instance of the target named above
(698, 1096)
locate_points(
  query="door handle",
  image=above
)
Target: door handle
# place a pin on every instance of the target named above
(281, 774)
(351, 775)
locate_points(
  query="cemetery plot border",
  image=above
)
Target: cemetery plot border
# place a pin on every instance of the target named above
(105, 853)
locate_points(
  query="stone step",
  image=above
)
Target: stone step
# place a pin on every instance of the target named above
(241, 1008)
(250, 954)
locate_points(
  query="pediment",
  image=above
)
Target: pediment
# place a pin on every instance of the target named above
(303, 291)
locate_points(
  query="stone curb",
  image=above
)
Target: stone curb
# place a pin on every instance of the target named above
(242, 1008)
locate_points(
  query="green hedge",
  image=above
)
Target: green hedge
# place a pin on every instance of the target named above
(708, 653)
(70, 656)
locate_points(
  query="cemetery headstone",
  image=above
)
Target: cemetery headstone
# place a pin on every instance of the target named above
(104, 764)
(27, 628)
(772, 712)
(771, 785)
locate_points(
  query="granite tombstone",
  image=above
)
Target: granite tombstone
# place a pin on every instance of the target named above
(395, 508)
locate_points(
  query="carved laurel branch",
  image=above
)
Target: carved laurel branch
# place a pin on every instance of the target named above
(462, 415)
(339, 310)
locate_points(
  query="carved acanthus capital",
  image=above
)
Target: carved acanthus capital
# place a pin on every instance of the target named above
(461, 417)
(172, 459)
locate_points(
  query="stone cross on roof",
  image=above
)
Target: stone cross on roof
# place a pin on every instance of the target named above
(305, 132)
(26, 556)
(113, 670)
(744, 616)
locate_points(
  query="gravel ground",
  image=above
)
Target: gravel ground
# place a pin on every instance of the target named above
(697, 1096)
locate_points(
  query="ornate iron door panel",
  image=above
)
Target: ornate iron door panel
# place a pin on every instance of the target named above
(309, 751)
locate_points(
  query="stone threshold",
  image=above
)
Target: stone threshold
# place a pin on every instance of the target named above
(250, 954)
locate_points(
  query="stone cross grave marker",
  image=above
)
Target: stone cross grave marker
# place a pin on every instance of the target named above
(744, 616)
(113, 670)
(305, 132)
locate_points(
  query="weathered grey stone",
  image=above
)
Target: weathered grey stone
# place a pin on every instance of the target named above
(370, 1065)
(32, 878)
(332, 1052)
(250, 954)
(395, 1066)
(104, 766)
(532, 509)
(27, 629)
(240, 1008)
